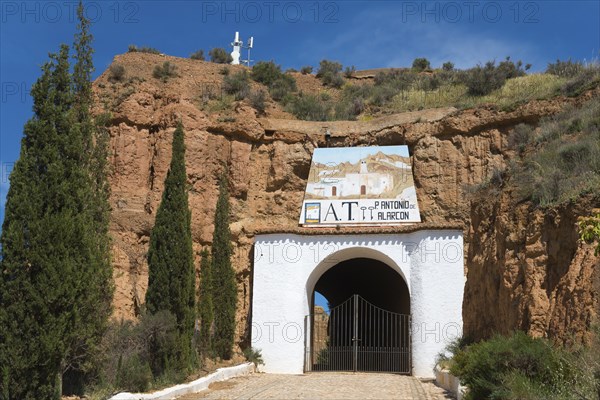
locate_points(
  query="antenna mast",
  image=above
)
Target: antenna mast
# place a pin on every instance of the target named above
(238, 45)
(249, 47)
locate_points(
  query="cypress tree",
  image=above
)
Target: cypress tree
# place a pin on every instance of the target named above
(171, 275)
(95, 285)
(223, 276)
(37, 264)
(55, 275)
(205, 306)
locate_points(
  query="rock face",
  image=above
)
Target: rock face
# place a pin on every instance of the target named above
(269, 159)
(320, 331)
(529, 271)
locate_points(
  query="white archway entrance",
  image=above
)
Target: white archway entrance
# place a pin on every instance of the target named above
(414, 273)
(362, 320)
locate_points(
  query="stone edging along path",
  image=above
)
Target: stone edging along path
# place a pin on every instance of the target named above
(192, 387)
(446, 380)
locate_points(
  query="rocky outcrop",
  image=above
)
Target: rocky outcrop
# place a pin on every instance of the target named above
(269, 158)
(529, 271)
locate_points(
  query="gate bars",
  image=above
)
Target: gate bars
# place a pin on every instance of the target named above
(358, 336)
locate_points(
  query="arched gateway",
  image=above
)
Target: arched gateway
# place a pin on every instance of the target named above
(366, 326)
(394, 291)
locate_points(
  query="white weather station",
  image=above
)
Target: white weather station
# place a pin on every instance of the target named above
(238, 45)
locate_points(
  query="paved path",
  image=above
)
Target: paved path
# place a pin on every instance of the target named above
(322, 385)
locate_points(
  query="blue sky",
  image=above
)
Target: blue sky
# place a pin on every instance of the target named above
(293, 33)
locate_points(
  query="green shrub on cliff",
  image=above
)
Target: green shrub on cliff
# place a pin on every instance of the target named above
(198, 55)
(330, 73)
(144, 49)
(421, 64)
(237, 84)
(280, 85)
(164, 71)
(484, 79)
(589, 229)
(565, 159)
(220, 56)
(310, 108)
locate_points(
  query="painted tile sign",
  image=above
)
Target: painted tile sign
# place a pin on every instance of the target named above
(360, 186)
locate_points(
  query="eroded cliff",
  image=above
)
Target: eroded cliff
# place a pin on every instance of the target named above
(526, 269)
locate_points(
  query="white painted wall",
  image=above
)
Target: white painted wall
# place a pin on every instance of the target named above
(287, 267)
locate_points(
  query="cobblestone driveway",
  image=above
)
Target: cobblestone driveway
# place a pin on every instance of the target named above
(322, 385)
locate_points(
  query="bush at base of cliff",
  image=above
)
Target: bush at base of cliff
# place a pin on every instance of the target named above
(139, 356)
(254, 356)
(520, 367)
(135, 375)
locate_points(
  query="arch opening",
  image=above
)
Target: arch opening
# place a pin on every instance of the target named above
(371, 279)
(365, 321)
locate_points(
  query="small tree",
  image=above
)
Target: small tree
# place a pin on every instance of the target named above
(266, 72)
(448, 66)
(223, 276)
(198, 55)
(171, 275)
(421, 64)
(484, 79)
(330, 73)
(220, 56)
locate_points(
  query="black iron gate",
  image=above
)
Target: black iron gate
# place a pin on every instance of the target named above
(358, 336)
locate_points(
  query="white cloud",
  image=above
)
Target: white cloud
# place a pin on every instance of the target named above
(379, 38)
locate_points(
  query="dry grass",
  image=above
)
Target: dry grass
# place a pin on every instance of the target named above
(514, 92)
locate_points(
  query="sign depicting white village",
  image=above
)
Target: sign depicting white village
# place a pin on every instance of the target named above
(360, 186)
